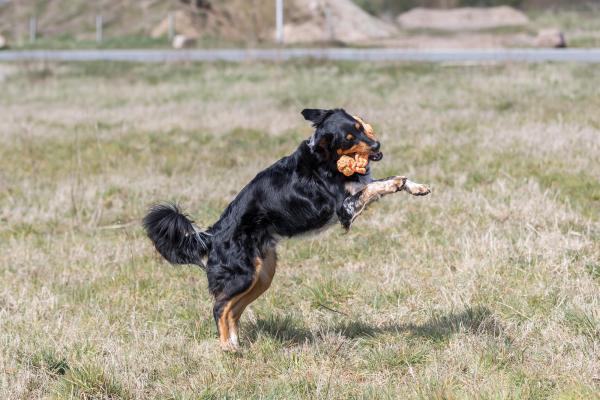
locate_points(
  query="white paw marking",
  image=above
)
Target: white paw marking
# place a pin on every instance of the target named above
(416, 189)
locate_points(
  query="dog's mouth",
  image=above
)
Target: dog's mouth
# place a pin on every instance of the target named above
(376, 156)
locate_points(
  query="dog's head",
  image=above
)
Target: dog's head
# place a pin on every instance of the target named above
(339, 133)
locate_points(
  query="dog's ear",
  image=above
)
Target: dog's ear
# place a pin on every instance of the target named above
(320, 138)
(315, 115)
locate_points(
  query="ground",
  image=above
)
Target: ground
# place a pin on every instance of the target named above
(487, 288)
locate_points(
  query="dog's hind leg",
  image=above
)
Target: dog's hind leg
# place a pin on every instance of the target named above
(264, 272)
(228, 311)
(355, 204)
(223, 312)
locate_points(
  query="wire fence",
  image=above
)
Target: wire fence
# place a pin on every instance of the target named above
(99, 24)
(35, 31)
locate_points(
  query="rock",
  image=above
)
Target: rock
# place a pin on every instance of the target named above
(333, 20)
(186, 23)
(3, 42)
(182, 42)
(462, 19)
(552, 38)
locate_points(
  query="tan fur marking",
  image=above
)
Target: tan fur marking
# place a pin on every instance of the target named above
(223, 332)
(265, 270)
(361, 147)
(263, 275)
(224, 326)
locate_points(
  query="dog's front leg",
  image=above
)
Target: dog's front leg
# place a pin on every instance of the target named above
(354, 205)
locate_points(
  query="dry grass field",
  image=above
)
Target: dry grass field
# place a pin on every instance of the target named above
(488, 288)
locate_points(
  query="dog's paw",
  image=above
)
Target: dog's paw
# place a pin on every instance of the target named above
(230, 347)
(399, 181)
(230, 344)
(416, 189)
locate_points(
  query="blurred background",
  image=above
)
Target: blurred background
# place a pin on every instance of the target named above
(252, 23)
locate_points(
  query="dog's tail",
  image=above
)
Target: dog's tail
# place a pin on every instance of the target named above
(175, 236)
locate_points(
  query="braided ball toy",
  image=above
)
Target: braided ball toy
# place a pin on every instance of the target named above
(349, 165)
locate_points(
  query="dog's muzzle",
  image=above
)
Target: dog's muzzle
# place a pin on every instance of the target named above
(376, 156)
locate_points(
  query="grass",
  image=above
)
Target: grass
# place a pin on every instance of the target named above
(488, 288)
(69, 42)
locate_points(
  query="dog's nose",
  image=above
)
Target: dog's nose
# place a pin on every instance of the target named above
(376, 146)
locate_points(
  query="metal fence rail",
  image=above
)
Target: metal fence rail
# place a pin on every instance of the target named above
(343, 54)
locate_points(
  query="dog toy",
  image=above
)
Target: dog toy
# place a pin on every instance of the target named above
(349, 165)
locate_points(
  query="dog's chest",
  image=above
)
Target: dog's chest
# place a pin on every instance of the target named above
(333, 219)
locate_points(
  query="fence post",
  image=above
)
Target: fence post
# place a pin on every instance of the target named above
(32, 29)
(99, 32)
(279, 21)
(329, 22)
(171, 26)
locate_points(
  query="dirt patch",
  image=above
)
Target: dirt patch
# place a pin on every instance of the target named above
(462, 19)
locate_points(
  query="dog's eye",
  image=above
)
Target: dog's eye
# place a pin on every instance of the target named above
(349, 136)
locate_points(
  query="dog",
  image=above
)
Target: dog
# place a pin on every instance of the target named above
(301, 193)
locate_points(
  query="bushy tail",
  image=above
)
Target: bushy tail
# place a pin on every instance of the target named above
(175, 236)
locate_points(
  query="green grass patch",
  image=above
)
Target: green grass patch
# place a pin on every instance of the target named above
(395, 358)
(50, 362)
(584, 323)
(90, 382)
(593, 268)
(579, 189)
(329, 293)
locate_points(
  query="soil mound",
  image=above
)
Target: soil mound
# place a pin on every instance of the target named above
(333, 21)
(462, 19)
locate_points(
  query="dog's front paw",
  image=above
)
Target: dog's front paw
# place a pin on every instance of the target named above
(416, 189)
(399, 181)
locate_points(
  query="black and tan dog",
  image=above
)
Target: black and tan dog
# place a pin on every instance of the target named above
(300, 193)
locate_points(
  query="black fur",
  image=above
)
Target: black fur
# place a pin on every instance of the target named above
(174, 235)
(299, 193)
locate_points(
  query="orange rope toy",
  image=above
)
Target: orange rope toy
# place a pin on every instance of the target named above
(349, 165)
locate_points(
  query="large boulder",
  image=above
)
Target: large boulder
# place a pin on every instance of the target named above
(333, 20)
(461, 19)
(550, 38)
